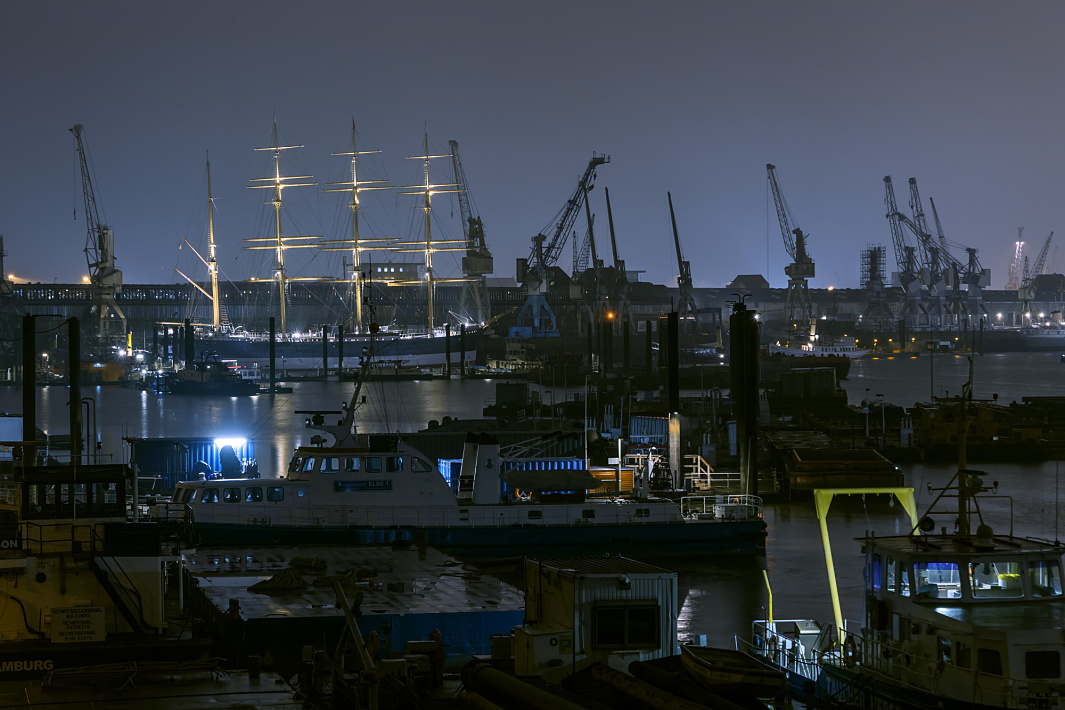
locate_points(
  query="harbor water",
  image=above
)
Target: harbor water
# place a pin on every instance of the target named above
(719, 597)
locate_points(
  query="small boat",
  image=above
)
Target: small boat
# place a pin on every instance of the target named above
(842, 347)
(210, 376)
(724, 670)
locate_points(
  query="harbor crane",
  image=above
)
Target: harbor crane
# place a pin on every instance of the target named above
(971, 274)
(687, 314)
(798, 307)
(619, 284)
(1026, 292)
(107, 319)
(908, 275)
(1017, 263)
(477, 263)
(933, 271)
(536, 318)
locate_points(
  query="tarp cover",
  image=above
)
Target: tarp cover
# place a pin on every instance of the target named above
(552, 480)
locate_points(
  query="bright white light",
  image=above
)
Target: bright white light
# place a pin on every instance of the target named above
(235, 442)
(140, 357)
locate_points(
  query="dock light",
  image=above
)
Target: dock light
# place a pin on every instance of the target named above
(235, 442)
(85, 279)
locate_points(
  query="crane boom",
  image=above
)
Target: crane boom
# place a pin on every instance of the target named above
(106, 280)
(544, 256)
(477, 263)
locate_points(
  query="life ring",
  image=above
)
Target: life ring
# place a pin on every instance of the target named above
(373, 645)
(850, 652)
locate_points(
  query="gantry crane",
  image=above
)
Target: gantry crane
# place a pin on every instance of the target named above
(687, 314)
(905, 258)
(798, 307)
(108, 320)
(536, 318)
(971, 274)
(1026, 293)
(477, 263)
(934, 272)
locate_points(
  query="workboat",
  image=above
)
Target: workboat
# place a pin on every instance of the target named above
(210, 375)
(958, 618)
(843, 347)
(376, 489)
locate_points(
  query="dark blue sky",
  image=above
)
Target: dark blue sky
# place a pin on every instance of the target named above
(689, 97)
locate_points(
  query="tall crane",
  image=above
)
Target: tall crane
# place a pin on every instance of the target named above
(1017, 263)
(619, 284)
(1026, 293)
(798, 307)
(536, 318)
(934, 271)
(477, 263)
(905, 258)
(970, 273)
(107, 319)
(687, 314)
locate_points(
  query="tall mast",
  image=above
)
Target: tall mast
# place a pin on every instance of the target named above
(212, 263)
(428, 246)
(356, 244)
(277, 242)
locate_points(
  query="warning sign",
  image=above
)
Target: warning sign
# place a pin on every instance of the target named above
(75, 624)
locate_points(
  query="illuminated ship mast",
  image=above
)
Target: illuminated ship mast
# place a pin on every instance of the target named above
(356, 244)
(278, 242)
(211, 262)
(429, 245)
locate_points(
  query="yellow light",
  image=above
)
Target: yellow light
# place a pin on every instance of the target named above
(85, 279)
(610, 314)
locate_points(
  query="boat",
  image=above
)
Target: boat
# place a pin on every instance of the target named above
(1048, 336)
(210, 376)
(725, 670)
(841, 347)
(302, 349)
(967, 617)
(376, 489)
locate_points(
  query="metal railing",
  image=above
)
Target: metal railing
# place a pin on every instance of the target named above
(721, 507)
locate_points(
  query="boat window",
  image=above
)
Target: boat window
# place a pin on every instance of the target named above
(231, 495)
(1044, 576)
(418, 465)
(588, 514)
(536, 515)
(963, 653)
(253, 495)
(1001, 578)
(351, 463)
(373, 464)
(898, 579)
(308, 464)
(937, 580)
(943, 648)
(988, 661)
(296, 465)
(189, 496)
(630, 626)
(330, 464)
(394, 464)
(643, 512)
(275, 493)
(1042, 664)
(210, 495)
(299, 493)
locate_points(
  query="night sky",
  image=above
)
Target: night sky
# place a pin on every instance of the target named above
(689, 97)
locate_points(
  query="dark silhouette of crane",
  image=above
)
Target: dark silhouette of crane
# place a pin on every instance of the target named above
(687, 314)
(1026, 293)
(477, 263)
(798, 307)
(107, 319)
(909, 276)
(536, 318)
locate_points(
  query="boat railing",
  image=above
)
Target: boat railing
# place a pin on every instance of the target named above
(712, 480)
(782, 650)
(721, 507)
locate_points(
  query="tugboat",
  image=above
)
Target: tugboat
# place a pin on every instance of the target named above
(961, 619)
(209, 375)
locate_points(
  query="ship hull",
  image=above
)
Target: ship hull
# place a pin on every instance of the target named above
(395, 350)
(659, 539)
(841, 687)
